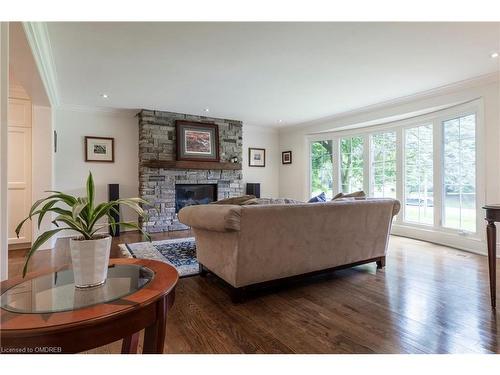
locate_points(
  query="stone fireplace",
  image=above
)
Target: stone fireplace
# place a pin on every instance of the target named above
(161, 185)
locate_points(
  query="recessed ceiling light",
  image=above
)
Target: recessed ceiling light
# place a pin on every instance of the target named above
(494, 55)
(280, 121)
(104, 96)
(207, 109)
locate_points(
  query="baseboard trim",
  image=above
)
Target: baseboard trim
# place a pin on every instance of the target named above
(470, 244)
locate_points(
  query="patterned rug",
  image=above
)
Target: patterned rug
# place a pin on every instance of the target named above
(180, 253)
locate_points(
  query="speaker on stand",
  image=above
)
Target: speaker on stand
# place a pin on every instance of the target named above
(253, 189)
(114, 194)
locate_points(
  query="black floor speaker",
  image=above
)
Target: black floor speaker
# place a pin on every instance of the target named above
(253, 189)
(114, 194)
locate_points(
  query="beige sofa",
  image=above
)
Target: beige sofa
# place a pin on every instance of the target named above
(246, 245)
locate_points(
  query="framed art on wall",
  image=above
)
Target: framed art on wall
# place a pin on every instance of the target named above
(286, 157)
(100, 149)
(197, 141)
(256, 157)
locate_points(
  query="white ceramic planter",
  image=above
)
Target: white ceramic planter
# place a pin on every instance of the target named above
(90, 261)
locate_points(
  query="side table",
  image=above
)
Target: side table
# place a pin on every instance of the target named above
(492, 216)
(45, 313)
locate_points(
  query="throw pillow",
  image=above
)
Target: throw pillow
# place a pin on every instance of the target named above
(318, 198)
(357, 194)
(271, 201)
(235, 200)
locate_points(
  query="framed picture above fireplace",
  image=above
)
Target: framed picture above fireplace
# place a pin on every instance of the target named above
(197, 141)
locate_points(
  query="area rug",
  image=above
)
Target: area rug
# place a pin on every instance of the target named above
(180, 253)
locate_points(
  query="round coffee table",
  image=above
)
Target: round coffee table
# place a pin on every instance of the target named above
(45, 313)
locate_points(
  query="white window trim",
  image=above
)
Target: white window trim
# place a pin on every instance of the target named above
(437, 233)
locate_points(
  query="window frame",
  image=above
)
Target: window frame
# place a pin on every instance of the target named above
(350, 138)
(479, 178)
(334, 164)
(403, 170)
(371, 189)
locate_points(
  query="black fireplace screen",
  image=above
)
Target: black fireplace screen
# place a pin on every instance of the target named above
(193, 194)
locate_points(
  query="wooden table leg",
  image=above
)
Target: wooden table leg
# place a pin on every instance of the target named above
(154, 335)
(129, 344)
(491, 232)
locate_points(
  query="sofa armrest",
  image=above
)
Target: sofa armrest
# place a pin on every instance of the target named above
(214, 217)
(396, 207)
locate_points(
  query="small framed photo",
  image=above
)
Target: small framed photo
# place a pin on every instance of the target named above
(286, 157)
(197, 141)
(100, 149)
(256, 157)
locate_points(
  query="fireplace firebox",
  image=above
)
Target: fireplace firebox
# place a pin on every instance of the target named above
(194, 194)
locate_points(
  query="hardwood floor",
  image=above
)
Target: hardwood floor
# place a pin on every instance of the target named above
(428, 299)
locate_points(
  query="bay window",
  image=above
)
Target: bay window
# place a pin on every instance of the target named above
(429, 163)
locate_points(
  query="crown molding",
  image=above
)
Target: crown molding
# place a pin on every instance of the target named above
(128, 112)
(484, 79)
(39, 42)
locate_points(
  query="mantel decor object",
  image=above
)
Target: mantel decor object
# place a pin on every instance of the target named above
(90, 249)
(197, 141)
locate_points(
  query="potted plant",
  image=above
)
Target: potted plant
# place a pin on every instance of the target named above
(90, 249)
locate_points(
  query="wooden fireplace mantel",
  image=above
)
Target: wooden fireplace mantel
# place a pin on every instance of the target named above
(174, 164)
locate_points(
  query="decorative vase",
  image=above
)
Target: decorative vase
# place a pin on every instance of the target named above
(90, 261)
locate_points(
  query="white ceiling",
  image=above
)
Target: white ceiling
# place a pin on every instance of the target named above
(261, 73)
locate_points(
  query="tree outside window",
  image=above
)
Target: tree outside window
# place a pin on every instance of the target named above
(351, 171)
(322, 168)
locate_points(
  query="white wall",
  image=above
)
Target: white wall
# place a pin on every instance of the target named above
(71, 170)
(4, 92)
(268, 177)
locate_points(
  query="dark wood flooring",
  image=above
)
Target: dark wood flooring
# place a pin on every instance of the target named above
(428, 299)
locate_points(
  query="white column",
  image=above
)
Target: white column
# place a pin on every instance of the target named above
(4, 103)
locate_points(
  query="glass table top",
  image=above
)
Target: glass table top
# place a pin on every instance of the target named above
(56, 292)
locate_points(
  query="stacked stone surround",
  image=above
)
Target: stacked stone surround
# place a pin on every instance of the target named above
(157, 141)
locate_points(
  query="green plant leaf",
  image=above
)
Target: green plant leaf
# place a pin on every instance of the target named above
(53, 209)
(72, 224)
(67, 199)
(90, 191)
(125, 225)
(44, 210)
(78, 207)
(101, 210)
(38, 203)
(133, 204)
(112, 223)
(19, 226)
(39, 242)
